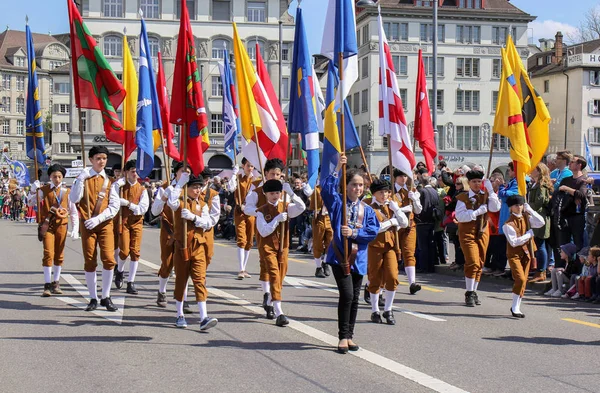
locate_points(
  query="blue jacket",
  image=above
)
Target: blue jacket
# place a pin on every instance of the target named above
(364, 235)
(503, 193)
(559, 176)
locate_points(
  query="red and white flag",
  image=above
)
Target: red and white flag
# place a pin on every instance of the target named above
(392, 122)
(423, 125)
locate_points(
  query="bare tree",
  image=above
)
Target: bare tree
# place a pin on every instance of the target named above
(589, 27)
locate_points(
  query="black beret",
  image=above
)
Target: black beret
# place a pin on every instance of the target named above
(177, 165)
(195, 180)
(474, 174)
(129, 164)
(273, 186)
(207, 173)
(515, 200)
(117, 167)
(98, 150)
(57, 168)
(379, 185)
(398, 172)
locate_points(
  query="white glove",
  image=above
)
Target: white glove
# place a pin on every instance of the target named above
(183, 179)
(307, 189)
(133, 207)
(35, 185)
(394, 222)
(527, 208)
(124, 202)
(235, 170)
(414, 195)
(488, 185)
(288, 189)
(85, 173)
(530, 232)
(482, 210)
(92, 223)
(74, 235)
(187, 215)
(121, 182)
(282, 217)
(393, 206)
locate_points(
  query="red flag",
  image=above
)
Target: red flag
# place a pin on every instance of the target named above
(163, 102)
(423, 130)
(95, 83)
(187, 102)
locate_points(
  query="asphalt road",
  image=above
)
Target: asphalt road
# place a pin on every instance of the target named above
(51, 344)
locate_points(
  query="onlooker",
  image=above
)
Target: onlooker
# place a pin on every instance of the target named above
(589, 272)
(425, 225)
(451, 224)
(551, 162)
(563, 159)
(568, 256)
(439, 234)
(495, 260)
(539, 200)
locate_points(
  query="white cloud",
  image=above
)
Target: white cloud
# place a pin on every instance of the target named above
(548, 29)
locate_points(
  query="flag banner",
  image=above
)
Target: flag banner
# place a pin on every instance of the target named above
(187, 101)
(319, 101)
(423, 130)
(302, 116)
(509, 123)
(588, 155)
(19, 171)
(392, 122)
(163, 101)
(34, 119)
(130, 82)
(96, 85)
(231, 121)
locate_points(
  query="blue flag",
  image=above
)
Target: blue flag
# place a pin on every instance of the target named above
(19, 171)
(34, 118)
(231, 120)
(588, 155)
(302, 118)
(148, 109)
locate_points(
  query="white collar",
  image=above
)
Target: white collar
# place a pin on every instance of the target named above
(381, 204)
(471, 193)
(130, 183)
(94, 173)
(52, 186)
(517, 215)
(274, 204)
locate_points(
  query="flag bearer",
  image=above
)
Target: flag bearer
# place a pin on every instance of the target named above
(116, 175)
(210, 196)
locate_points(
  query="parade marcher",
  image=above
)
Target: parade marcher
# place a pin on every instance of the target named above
(244, 224)
(382, 266)
(191, 251)
(210, 196)
(322, 232)
(273, 246)
(520, 247)
(134, 204)
(361, 229)
(55, 213)
(473, 232)
(98, 203)
(410, 204)
(116, 175)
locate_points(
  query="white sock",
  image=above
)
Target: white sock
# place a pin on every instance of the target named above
(515, 303)
(410, 274)
(277, 307)
(90, 280)
(162, 284)
(47, 274)
(107, 278)
(57, 270)
(133, 266)
(318, 262)
(382, 293)
(117, 251)
(519, 305)
(179, 308)
(470, 284)
(266, 286)
(246, 257)
(241, 257)
(389, 300)
(476, 285)
(121, 264)
(202, 310)
(185, 292)
(375, 302)
(269, 299)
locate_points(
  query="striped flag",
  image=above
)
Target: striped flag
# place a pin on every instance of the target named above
(163, 101)
(231, 121)
(130, 83)
(33, 115)
(392, 121)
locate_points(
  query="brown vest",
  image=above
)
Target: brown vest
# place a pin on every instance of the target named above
(519, 224)
(272, 241)
(48, 199)
(244, 183)
(166, 215)
(133, 193)
(195, 206)
(262, 198)
(402, 199)
(383, 213)
(316, 202)
(473, 204)
(93, 186)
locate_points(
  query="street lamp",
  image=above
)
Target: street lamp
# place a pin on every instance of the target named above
(366, 3)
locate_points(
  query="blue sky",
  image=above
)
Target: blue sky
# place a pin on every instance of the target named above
(51, 16)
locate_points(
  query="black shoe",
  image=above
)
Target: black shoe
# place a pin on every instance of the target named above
(320, 273)
(517, 315)
(118, 279)
(131, 288)
(342, 350)
(270, 312)
(353, 347)
(282, 321)
(376, 317)
(476, 298)
(469, 299)
(381, 300)
(161, 300)
(326, 269)
(265, 299)
(107, 302)
(93, 304)
(367, 295)
(186, 308)
(414, 288)
(47, 290)
(389, 317)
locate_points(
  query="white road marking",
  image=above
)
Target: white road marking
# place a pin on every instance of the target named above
(149, 264)
(302, 283)
(119, 301)
(371, 357)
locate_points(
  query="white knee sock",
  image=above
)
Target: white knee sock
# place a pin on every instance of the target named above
(90, 280)
(410, 274)
(121, 264)
(476, 285)
(179, 308)
(57, 270)
(515, 303)
(241, 257)
(162, 284)
(375, 302)
(107, 278)
(469, 284)
(318, 262)
(246, 257)
(117, 251)
(266, 286)
(185, 291)
(389, 300)
(269, 299)
(277, 307)
(47, 274)
(202, 310)
(519, 305)
(133, 266)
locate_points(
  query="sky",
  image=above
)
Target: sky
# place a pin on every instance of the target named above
(51, 16)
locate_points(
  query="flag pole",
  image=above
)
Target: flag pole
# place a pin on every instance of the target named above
(391, 169)
(362, 154)
(35, 160)
(258, 153)
(87, 197)
(344, 264)
(490, 159)
(185, 192)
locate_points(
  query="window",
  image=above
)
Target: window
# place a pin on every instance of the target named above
(364, 101)
(404, 98)
(593, 109)
(62, 88)
(83, 121)
(85, 8)
(366, 36)
(595, 135)
(221, 10)
(427, 32)
(356, 102)
(428, 65)
(64, 127)
(216, 123)
(20, 83)
(548, 59)
(384, 141)
(396, 31)
(6, 127)
(7, 145)
(20, 127)
(154, 46)
(150, 8)
(21, 105)
(595, 78)
(217, 87)
(400, 64)
(218, 48)
(365, 68)
(500, 142)
(20, 146)
(364, 135)
(55, 64)
(349, 101)
(358, 37)
(470, 4)
(500, 34)
(467, 138)
(540, 61)
(6, 104)
(494, 100)
(468, 34)
(439, 101)
(285, 51)
(467, 100)
(424, 3)
(191, 7)
(252, 49)
(64, 148)
(113, 8)
(19, 61)
(113, 46)
(285, 85)
(496, 68)
(62, 109)
(257, 11)
(467, 67)
(547, 86)
(6, 82)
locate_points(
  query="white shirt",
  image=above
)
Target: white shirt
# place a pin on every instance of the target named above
(142, 207)
(463, 214)
(215, 208)
(294, 209)
(233, 183)
(158, 205)
(535, 220)
(71, 207)
(415, 202)
(113, 199)
(400, 216)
